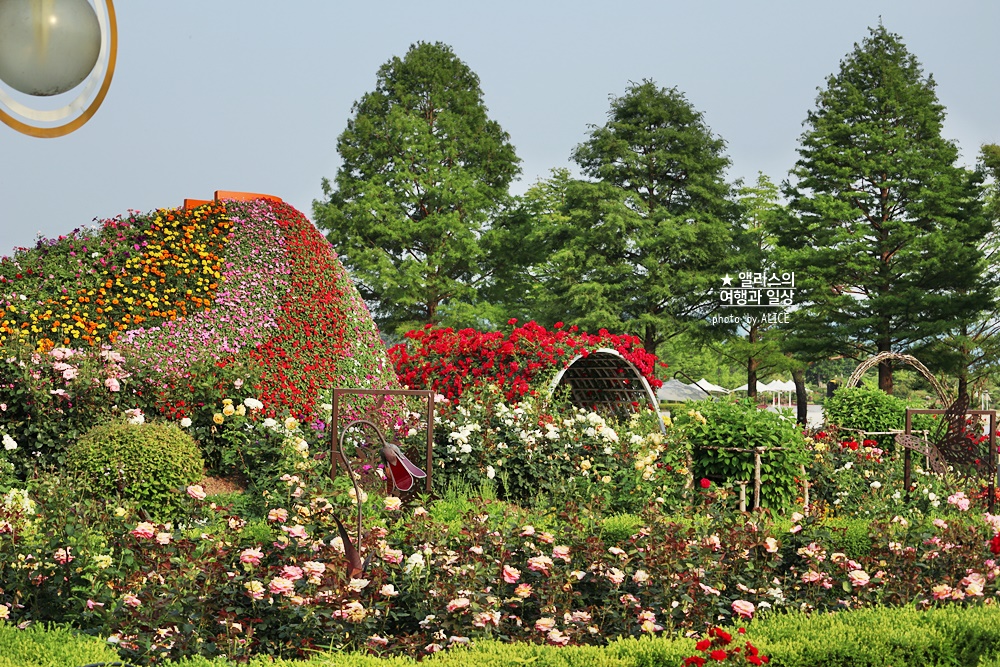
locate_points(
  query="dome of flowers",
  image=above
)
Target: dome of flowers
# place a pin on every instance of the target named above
(243, 290)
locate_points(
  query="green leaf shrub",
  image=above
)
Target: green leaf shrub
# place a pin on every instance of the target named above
(144, 463)
(866, 409)
(714, 426)
(41, 646)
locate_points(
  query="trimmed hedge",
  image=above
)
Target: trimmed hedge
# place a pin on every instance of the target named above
(38, 646)
(902, 637)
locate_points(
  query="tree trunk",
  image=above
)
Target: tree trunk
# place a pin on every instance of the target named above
(752, 364)
(963, 383)
(801, 398)
(885, 376)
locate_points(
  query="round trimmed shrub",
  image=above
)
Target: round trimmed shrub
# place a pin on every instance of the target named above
(145, 463)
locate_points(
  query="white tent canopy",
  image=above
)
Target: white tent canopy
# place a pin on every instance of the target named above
(760, 387)
(675, 391)
(711, 388)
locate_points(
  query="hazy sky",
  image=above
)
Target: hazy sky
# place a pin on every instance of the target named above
(251, 95)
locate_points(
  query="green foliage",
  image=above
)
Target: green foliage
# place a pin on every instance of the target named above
(852, 536)
(51, 646)
(885, 225)
(866, 409)
(618, 527)
(637, 248)
(714, 427)
(149, 464)
(424, 168)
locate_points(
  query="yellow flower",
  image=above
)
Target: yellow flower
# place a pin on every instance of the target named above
(229, 410)
(218, 418)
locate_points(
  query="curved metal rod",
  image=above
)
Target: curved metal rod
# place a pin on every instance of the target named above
(693, 382)
(347, 464)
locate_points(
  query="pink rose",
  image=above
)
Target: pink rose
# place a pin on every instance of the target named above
(197, 492)
(144, 531)
(281, 586)
(251, 556)
(112, 384)
(744, 608)
(511, 574)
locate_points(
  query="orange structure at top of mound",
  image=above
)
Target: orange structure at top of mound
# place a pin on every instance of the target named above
(229, 194)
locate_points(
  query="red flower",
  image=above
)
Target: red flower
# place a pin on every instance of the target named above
(696, 660)
(995, 544)
(703, 644)
(724, 637)
(705, 483)
(718, 654)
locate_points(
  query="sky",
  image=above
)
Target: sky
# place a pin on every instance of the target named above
(251, 95)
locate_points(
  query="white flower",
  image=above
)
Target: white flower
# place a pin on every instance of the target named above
(876, 484)
(185, 422)
(8, 442)
(253, 404)
(491, 472)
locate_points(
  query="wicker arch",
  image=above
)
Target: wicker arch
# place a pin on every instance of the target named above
(871, 362)
(606, 382)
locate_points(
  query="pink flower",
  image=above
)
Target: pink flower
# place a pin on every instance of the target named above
(112, 384)
(251, 556)
(561, 552)
(858, 578)
(545, 624)
(312, 568)
(297, 531)
(615, 576)
(771, 545)
(557, 637)
(144, 531)
(131, 601)
(744, 608)
(457, 603)
(941, 592)
(196, 491)
(281, 586)
(959, 500)
(291, 572)
(163, 538)
(511, 574)
(91, 604)
(484, 618)
(63, 556)
(278, 514)
(527, 531)
(522, 590)
(540, 564)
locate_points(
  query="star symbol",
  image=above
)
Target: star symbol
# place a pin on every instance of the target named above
(727, 281)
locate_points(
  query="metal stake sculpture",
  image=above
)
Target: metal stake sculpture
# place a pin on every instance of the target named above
(400, 471)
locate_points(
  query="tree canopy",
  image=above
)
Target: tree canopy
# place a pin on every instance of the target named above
(424, 168)
(883, 226)
(635, 249)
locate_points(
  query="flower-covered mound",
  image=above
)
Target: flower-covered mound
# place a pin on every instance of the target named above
(169, 312)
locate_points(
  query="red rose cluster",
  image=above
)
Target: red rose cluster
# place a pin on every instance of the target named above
(452, 362)
(716, 648)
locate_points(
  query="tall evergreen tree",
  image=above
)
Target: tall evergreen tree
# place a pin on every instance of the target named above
(885, 224)
(423, 170)
(637, 249)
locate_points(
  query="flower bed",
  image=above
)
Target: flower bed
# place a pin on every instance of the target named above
(520, 362)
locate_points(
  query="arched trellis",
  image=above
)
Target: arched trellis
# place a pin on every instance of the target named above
(910, 360)
(606, 382)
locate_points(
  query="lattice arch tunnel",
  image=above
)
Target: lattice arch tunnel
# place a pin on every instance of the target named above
(607, 383)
